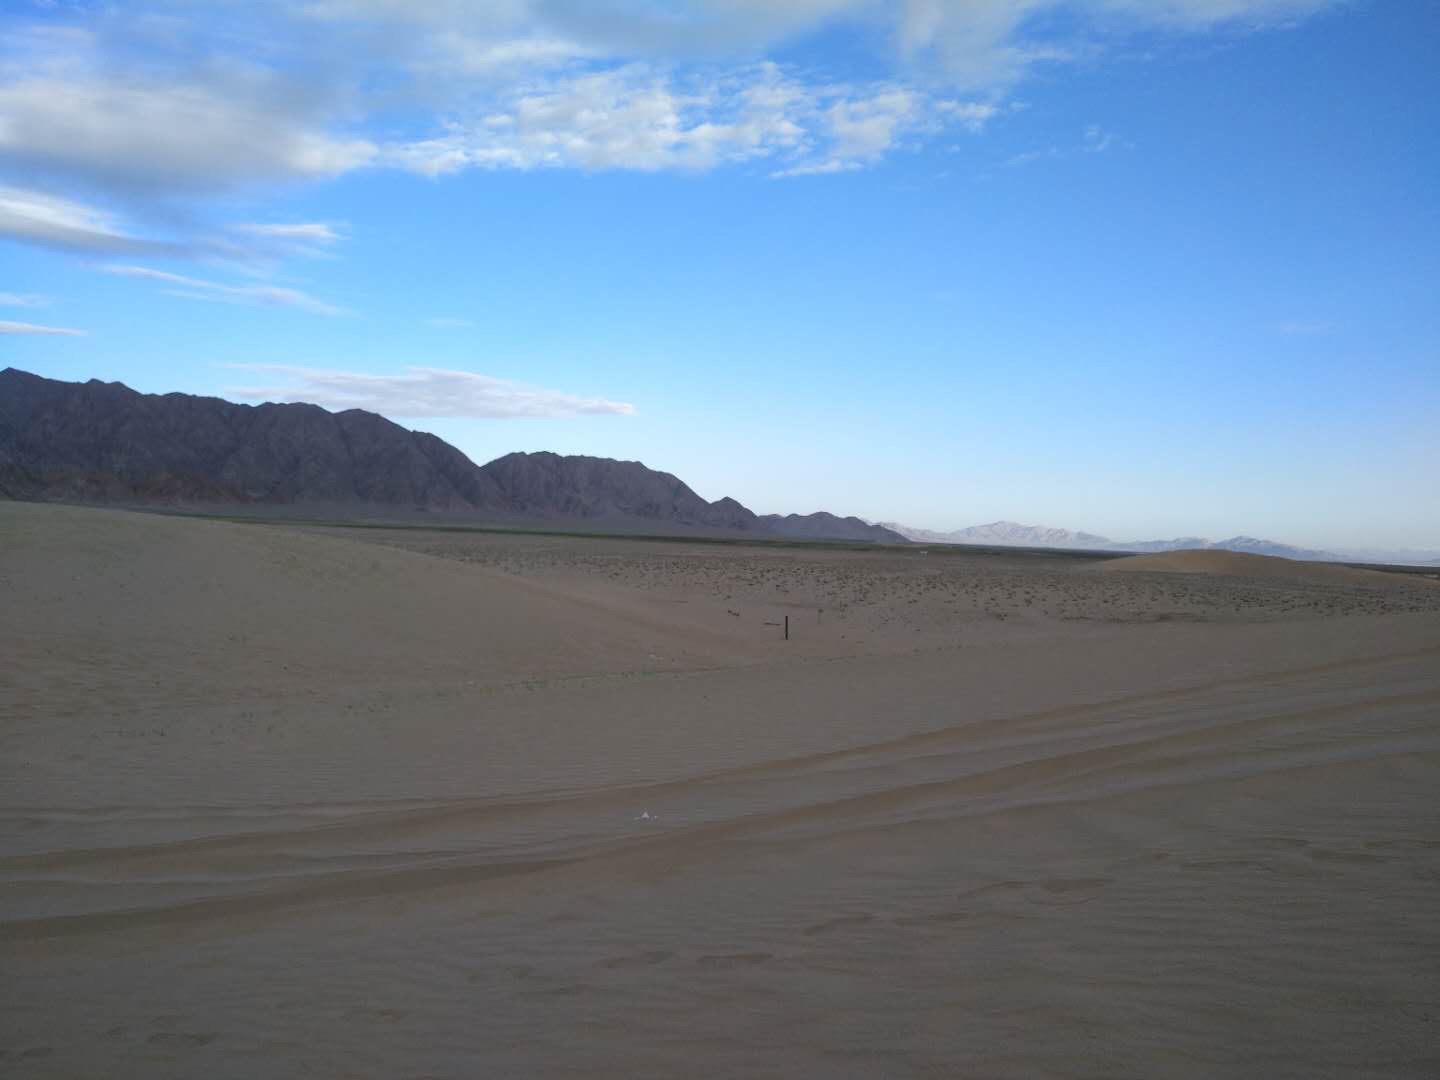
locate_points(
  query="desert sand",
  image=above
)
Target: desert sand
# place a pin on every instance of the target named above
(283, 801)
(1243, 564)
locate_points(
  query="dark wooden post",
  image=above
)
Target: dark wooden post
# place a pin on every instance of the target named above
(787, 627)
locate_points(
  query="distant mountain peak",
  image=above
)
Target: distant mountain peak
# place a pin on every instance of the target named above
(1014, 534)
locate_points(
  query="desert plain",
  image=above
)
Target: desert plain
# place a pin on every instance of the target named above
(282, 800)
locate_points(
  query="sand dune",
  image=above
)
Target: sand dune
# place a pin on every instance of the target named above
(281, 803)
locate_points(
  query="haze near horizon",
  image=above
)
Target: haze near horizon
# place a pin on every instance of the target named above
(1143, 270)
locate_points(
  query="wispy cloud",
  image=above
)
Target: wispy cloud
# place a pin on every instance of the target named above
(30, 300)
(47, 220)
(423, 392)
(1094, 140)
(31, 328)
(1098, 140)
(200, 289)
(1029, 157)
(311, 233)
(819, 168)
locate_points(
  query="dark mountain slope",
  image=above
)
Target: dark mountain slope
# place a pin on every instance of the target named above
(823, 526)
(104, 440)
(546, 484)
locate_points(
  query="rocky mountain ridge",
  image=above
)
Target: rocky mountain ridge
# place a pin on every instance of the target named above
(825, 526)
(105, 441)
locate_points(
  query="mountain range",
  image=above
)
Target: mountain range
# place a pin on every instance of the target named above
(99, 441)
(105, 441)
(1013, 534)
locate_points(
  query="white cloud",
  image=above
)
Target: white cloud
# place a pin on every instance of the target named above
(974, 42)
(819, 168)
(10, 299)
(645, 118)
(693, 27)
(1094, 140)
(31, 328)
(1098, 140)
(634, 117)
(1198, 14)
(423, 392)
(971, 115)
(867, 128)
(310, 240)
(48, 220)
(312, 233)
(1031, 156)
(165, 136)
(994, 43)
(159, 104)
(200, 289)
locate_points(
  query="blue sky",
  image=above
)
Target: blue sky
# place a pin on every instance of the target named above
(1141, 268)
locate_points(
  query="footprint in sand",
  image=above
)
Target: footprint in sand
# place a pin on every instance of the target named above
(1057, 892)
(1136, 862)
(940, 918)
(1332, 856)
(644, 959)
(992, 889)
(1067, 891)
(838, 923)
(384, 1016)
(734, 959)
(573, 990)
(1212, 865)
(1410, 845)
(183, 1038)
(1280, 843)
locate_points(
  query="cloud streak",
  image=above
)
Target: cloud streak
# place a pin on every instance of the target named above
(200, 289)
(311, 233)
(46, 220)
(28, 300)
(423, 392)
(31, 328)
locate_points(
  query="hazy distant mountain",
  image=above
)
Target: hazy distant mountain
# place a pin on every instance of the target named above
(823, 526)
(104, 441)
(1398, 556)
(1012, 534)
(1269, 547)
(1005, 534)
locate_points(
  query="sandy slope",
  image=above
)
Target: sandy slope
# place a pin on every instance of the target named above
(277, 803)
(1244, 564)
